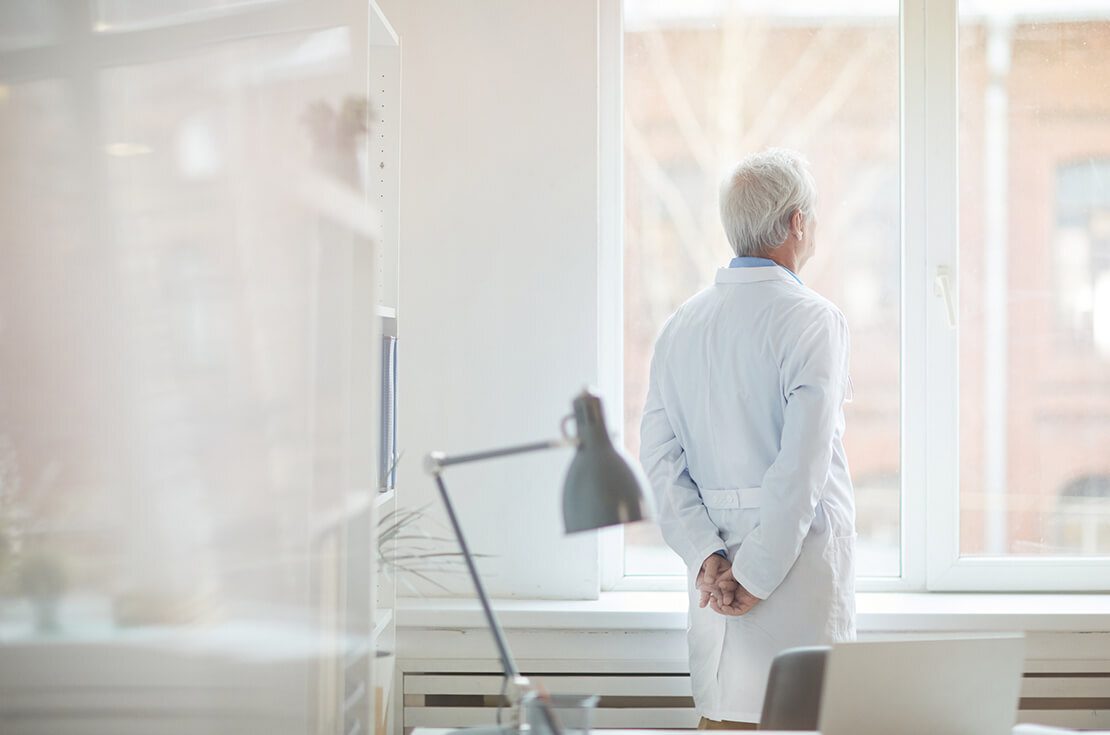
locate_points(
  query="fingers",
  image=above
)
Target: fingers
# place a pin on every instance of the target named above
(729, 610)
(741, 604)
(705, 588)
(727, 587)
(708, 584)
(718, 589)
(725, 574)
(726, 590)
(712, 568)
(717, 607)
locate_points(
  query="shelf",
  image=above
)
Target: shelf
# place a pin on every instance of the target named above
(364, 647)
(381, 30)
(354, 698)
(356, 654)
(356, 504)
(384, 618)
(364, 652)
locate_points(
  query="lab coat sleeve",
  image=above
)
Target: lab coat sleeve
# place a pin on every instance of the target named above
(681, 515)
(815, 373)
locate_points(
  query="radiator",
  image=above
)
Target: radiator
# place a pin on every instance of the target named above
(657, 701)
(627, 700)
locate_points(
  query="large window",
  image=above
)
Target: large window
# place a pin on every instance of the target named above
(702, 88)
(1034, 283)
(964, 231)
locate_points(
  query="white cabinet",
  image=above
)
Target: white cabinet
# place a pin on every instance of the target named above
(198, 260)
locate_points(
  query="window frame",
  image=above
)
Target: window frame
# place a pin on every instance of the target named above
(930, 199)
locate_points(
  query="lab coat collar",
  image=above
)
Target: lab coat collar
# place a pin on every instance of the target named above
(754, 275)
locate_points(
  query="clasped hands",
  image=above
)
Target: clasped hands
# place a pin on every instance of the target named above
(719, 589)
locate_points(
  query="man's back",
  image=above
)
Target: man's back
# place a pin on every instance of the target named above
(721, 361)
(742, 439)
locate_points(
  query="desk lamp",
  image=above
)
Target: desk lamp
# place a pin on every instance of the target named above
(602, 488)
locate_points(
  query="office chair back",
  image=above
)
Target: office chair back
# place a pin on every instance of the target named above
(793, 698)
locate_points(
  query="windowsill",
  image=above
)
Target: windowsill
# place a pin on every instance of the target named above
(878, 612)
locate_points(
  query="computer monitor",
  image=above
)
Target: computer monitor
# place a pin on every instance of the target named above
(955, 686)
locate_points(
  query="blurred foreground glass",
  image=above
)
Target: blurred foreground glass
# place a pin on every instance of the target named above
(185, 285)
(705, 85)
(1034, 279)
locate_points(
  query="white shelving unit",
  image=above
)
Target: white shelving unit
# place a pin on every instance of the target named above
(356, 598)
(383, 160)
(236, 588)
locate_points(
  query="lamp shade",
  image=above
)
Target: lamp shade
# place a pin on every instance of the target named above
(603, 486)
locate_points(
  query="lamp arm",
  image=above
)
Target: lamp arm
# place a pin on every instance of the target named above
(434, 463)
(507, 662)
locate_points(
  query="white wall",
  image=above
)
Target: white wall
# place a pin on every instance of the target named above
(499, 233)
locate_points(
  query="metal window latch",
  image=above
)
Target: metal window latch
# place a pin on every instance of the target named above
(944, 286)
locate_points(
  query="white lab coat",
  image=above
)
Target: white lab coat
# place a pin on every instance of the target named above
(742, 440)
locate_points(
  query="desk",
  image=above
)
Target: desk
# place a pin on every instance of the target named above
(1018, 730)
(444, 731)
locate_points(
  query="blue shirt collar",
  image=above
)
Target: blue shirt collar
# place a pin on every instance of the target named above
(750, 261)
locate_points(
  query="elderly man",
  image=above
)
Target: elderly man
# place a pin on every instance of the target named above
(741, 438)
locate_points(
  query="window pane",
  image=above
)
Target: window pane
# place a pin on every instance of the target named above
(705, 84)
(1034, 279)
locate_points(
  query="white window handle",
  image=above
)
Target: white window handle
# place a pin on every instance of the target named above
(944, 287)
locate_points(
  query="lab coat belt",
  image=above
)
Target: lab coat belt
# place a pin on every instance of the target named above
(738, 498)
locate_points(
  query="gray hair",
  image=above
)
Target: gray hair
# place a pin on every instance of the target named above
(759, 197)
